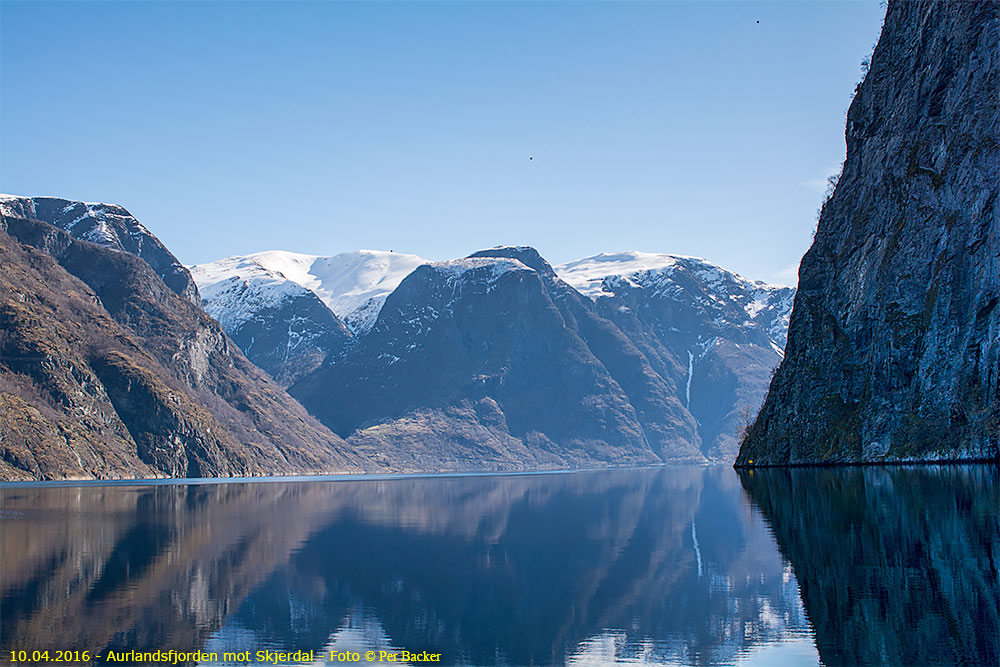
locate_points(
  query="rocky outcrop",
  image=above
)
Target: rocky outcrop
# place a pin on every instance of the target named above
(106, 372)
(894, 344)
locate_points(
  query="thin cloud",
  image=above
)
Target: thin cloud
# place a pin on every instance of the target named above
(788, 275)
(820, 184)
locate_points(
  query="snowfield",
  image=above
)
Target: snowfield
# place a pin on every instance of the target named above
(712, 287)
(353, 285)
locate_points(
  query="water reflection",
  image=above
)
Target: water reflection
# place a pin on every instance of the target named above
(897, 566)
(662, 566)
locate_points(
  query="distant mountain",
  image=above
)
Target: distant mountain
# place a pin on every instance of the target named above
(281, 326)
(894, 344)
(688, 346)
(492, 360)
(353, 285)
(106, 372)
(288, 311)
(108, 225)
(714, 334)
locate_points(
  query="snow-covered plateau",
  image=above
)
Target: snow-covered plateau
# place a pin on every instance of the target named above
(353, 285)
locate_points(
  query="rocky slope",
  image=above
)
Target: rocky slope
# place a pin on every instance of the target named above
(894, 343)
(715, 334)
(108, 225)
(492, 361)
(106, 372)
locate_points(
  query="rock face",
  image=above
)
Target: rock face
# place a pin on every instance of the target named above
(492, 361)
(894, 344)
(716, 335)
(106, 372)
(108, 225)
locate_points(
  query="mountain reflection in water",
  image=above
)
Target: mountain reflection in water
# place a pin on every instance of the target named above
(667, 566)
(670, 565)
(897, 565)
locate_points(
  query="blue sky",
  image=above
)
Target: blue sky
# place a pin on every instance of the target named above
(439, 128)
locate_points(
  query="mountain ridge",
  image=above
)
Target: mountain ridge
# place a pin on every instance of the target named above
(353, 285)
(493, 361)
(107, 372)
(108, 225)
(754, 314)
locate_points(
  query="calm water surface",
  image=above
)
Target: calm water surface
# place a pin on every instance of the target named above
(679, 566)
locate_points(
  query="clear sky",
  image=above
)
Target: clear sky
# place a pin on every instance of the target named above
(439, 128)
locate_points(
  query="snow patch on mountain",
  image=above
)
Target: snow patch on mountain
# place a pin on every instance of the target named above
(710, 286)
(485, 268)
(353, 285)
(588, 275)
(235, 300)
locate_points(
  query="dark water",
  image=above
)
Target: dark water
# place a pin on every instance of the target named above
(682, 566)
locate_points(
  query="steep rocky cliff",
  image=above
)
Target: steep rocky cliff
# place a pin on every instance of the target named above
(894, 343)
(106, 372)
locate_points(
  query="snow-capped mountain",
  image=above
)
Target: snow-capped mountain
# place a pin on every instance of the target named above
(109, 225)
(289, 311)
(679, 349)
(353, 285)
(716, 333)
(493, 359)
(280, 325)
(720, 292)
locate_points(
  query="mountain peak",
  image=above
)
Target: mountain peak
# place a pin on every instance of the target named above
(489, 267)
(522, 253)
